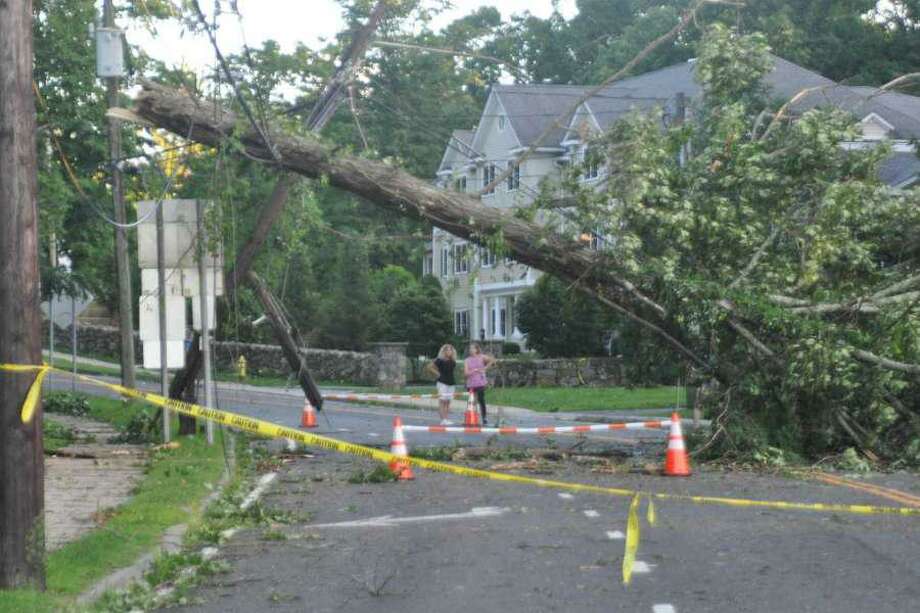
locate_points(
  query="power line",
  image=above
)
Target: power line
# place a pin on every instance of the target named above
(232, 81)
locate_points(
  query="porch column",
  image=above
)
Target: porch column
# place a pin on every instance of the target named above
(475, 313)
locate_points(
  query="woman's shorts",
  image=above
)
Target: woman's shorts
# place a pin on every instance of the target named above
(445, 392)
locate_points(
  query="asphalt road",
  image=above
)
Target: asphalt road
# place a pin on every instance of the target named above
(448, 543)
(372, 425)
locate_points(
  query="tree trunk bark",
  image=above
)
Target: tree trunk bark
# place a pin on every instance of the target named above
(182, 387)
(22, 538)
(290, 345)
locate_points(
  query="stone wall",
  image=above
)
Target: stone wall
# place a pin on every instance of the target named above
(323, 364)
(97, 341)
(563, 372)
(386, 366)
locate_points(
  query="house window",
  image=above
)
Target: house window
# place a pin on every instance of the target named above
(487, 259)
(460, 184)
(592, 164)
(514, 179)
(501, 123)
(488, 176)
(427, 265)
(445, 261)
(462, 323)
(461, 259)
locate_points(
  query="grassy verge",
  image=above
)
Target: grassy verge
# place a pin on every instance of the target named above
(550, 399)
(171, 492)
(95, 369)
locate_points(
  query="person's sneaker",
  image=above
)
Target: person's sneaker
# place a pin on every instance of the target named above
(446, 422)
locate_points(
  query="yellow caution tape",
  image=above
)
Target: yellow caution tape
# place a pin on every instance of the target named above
(632, 539)
(271, 430)
(35, 390)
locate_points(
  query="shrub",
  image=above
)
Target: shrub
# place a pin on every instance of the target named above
(64, 403)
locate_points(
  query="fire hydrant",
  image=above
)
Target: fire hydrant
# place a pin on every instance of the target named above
(241, 367)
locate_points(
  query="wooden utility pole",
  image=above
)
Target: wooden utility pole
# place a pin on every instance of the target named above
(122, 264)
(22, 541)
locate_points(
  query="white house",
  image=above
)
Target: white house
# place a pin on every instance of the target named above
(482, 289)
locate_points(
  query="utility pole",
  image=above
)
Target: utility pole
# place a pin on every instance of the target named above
(22, 541)
(125, 303)
(203, 296)
(161, 294)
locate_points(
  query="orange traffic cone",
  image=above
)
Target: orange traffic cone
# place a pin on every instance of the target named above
(676, 462)
(471, 417)
(308, 418)
(400, 468)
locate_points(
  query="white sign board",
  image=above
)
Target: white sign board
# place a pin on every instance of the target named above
(175, 354)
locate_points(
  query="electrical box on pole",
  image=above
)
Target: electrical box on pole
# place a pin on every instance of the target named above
(110, 53)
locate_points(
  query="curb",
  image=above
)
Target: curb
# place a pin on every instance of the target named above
(170, 542)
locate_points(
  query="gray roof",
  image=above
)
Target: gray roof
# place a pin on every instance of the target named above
(532, 108)
(900, 110)
(900, 169)
(458, 146)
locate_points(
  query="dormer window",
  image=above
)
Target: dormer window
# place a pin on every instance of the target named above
(875, 127)
(501, 123)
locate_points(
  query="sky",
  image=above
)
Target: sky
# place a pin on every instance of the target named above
(289, 22)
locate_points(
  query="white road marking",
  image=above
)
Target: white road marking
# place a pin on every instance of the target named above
(592, 513)
(642, 567)
(374, 434)
(663, 608)
(385, 521)
(565, 496)
(264, 481)
(615, 535)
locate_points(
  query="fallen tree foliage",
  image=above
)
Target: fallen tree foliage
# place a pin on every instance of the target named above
(772, 261)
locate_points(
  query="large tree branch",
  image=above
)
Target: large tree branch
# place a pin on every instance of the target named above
(863, 305)
(886, 363)
(390, 187)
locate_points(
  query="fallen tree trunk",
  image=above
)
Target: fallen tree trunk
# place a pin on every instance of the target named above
(391, 187)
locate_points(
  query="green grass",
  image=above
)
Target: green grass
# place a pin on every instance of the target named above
(171, 492)
(94, 369)
(549, 399)
(56, 435)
